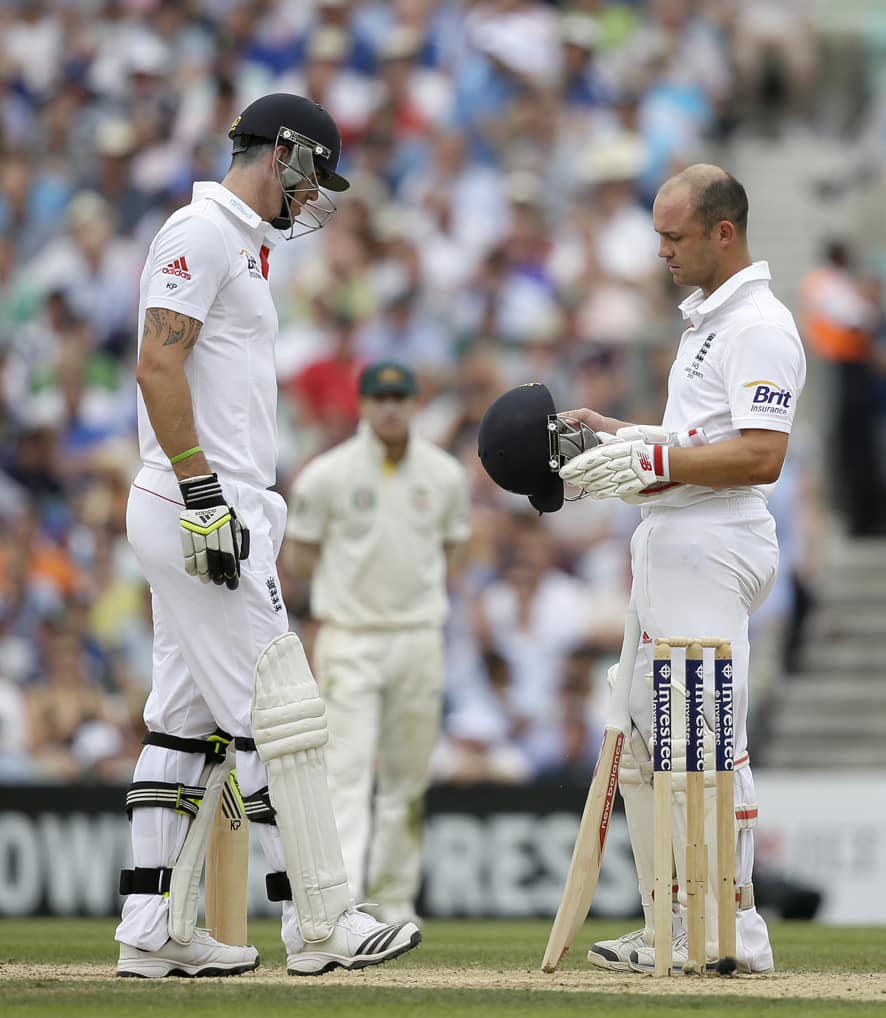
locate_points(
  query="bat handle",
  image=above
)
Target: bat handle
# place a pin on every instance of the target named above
(619, 713)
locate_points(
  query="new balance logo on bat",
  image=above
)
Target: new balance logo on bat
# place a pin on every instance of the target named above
(177, 268)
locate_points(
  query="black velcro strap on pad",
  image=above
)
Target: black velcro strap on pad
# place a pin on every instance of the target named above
(143, 880)
(244, 744)
(258, 808)
(214, 748)
(167, 795)
(278, 886)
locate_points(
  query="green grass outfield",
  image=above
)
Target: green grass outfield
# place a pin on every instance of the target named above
(63, 967)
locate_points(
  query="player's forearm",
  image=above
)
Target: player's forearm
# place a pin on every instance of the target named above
(736, 462)
(167, 398)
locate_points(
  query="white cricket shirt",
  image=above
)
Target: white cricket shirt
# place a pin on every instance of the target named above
(382, 531)
(739, 365)
(209, 262)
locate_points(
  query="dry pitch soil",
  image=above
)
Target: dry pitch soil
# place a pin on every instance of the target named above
(798, 985)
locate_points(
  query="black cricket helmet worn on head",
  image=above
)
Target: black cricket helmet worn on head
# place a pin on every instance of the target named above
(261, 121)
(522, 444)
(309, 133)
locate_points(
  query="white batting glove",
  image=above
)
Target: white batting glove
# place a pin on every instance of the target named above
(655, 435)
(652, 434)
(618, 468)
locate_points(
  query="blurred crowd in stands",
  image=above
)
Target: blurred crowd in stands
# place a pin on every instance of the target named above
(504, 155)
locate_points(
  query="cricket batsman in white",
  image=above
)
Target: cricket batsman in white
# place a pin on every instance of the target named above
(206, 529)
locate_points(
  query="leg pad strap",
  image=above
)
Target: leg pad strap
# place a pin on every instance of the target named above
(146, 880)
(278, 886)
(258, 808)
(184, 799)
(214, 747)
(744, 896)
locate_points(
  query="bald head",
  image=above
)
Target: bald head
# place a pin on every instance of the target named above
(714, 195)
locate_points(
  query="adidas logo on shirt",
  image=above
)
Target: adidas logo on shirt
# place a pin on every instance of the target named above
(178, 268)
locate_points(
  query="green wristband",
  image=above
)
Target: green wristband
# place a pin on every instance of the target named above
(185, 455)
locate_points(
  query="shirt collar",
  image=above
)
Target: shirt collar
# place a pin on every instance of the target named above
(697, 307)
(218, 193)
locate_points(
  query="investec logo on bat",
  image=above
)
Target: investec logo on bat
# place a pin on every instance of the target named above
(769, 397)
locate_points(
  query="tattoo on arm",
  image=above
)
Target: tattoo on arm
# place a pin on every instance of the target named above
(170, 327)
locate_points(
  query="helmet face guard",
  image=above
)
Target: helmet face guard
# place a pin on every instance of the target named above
(301, 183)
(523, 442)
(567, 437)
(312, 146)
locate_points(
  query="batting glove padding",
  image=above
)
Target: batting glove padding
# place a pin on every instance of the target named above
(652, 434)
(619, 468)
(213, 539)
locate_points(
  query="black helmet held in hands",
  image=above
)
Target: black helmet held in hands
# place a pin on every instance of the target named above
(522, 444)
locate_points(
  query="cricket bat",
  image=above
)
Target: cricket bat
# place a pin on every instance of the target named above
(587, 855)
(227, 868)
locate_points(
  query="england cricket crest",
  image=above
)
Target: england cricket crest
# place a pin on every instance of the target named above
(363, 499)
(694, 369)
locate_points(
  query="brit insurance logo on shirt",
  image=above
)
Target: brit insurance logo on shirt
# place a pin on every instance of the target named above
(769, 398)
(251, 263)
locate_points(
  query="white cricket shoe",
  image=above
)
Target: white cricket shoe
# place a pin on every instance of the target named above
(202, 957)
(643, 957)
(357, 941)
(392, 913)
(616, 954)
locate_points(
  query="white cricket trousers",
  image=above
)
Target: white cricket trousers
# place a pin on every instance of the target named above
(701, 571)
(207, 640)
(383, 693)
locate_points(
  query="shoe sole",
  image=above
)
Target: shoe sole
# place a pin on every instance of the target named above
(676, 970)
(201, 973)
(361, 961)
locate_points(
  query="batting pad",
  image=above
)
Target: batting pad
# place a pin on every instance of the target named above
(184, 887)
(289, 727)
(635, 785)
